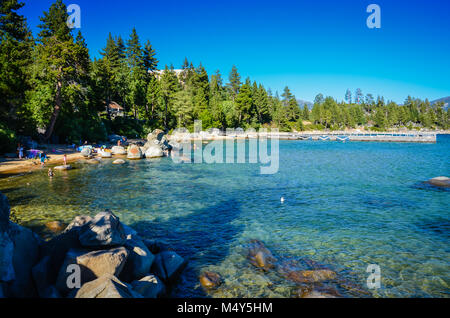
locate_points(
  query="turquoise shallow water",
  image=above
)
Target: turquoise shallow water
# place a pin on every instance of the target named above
(347, 205)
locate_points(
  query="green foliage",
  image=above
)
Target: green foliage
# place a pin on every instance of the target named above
(7, 139)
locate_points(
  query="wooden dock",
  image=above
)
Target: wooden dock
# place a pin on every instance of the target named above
(345, 137)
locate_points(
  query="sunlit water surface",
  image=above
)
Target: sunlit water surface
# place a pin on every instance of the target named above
(347, 205)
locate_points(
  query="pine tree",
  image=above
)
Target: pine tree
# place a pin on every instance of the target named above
(169, 87)
(244, 104)
(134, 51)
(292, 109)
(149, 58)
(234, 82)
(358, 96)
(15, 58)
(348, 96)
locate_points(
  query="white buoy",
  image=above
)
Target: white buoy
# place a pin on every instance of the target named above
(282, 199)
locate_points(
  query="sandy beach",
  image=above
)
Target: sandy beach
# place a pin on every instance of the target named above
(14, 166)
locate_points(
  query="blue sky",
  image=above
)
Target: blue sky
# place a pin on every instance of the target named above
(320, 46)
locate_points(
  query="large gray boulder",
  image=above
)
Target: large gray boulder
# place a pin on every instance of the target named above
(7, 273)
(53, 254)
(139, 261)
(443, 182)
(154, 151)
(92, 265)
(118, 150)
(134, 153)
(103, 230)
(4, 212)
(78, 222)
(158, 137)
(107, 286)
(86, 152)
(105, 154)
(168, 265)
(43, 278)
(25, 256)
(149, 287)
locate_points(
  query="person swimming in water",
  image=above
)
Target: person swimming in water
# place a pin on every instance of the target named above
(50, 172)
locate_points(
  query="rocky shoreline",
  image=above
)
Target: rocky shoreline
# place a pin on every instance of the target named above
(95, 257)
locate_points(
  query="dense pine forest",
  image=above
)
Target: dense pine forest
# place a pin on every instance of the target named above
(51, 90)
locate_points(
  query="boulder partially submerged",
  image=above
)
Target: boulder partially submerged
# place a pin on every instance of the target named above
(118, 150)
(260, 256)
(154, 151)
(210, 279)
(63, 167)
(19, 252)
(442, 182)
(134, 152)
(118, 162)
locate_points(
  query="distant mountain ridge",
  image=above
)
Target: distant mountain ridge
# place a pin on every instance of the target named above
(445, 100)
(302, 103)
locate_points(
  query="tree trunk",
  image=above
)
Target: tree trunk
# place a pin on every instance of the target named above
(55, 114)
(165, 112)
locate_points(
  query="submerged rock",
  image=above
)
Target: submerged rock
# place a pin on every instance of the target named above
(118, 162)
(149, 287)
(210, 280)
(92, 265)
(310, 276)
(107, 286)
(134, 153)
(55, 226)
(63, 167)
(104, 229)
(168, 265)
(260, 256)
(93, 161)
(443, 182)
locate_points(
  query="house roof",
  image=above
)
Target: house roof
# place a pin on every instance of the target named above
(114, 105)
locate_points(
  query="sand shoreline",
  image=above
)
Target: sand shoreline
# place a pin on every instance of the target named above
(11, 167)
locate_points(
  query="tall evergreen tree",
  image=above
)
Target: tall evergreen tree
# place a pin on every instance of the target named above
(15, 59)
(234, 82)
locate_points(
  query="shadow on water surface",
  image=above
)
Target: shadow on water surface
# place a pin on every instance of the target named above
(202, 238)
(438, 226)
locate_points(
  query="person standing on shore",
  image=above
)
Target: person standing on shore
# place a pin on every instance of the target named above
(65, 159)
(43, 157)
(20, 150)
